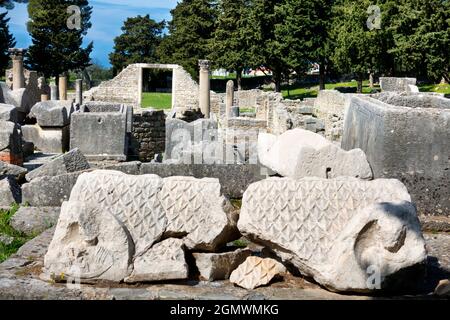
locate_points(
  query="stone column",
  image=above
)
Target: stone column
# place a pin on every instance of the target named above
(62, 87)
(79, 92)
(230, 97)
(204, 92)
(17, 61)
(54, 92)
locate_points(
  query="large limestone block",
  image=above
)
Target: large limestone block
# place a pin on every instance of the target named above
(340, 231)
(32, 220)
(9, 192)
(256, 272)
(164, 261)
(299, 153)
(49, 191)
(88, 244)
(52, 113)
(218, 266)
(132, 200)
(8, 112)
(10, 137)
(7, 169)
(195, 208)
(72, 161)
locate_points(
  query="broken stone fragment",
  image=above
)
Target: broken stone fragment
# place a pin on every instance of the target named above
(7, 169)
(10, 192)
(164, 261)
(443, 288)
(256, 272)
(88, 244)
(52, 113)
(342, 232)
(8, 112)
(132, 200)
(72, 161)
(195, 209)
(300, 153)
(218, 266)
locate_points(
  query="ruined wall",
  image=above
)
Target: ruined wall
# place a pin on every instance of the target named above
(397, 84)
(330, 107)
(148, 136)
(124, 88)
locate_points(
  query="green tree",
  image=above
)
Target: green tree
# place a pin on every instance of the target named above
(6, 42)
(268, 50)
(190, 34)
(9, 4)
(358, 49)
(138, 43)
(57, 45)
(421, 34)
(304, 34)
(230, 48)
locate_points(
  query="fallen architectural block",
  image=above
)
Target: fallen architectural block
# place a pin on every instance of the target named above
(72, 161)
(52, 113)
(164, 261)
(49, 191)
(48, 140)
(8, 112)
(396, 84)
(9, 192)
(347, 234)
(256, 272)
(10, 143)
(219, 266)
(7, 169)
(407, 140)
(32, 221)
(196, 208)
(148, 209)
(299, 153)
(102, 131)
(88, 244)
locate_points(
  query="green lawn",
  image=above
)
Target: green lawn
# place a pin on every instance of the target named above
(156, 100)
(308, 91)
(6, 229)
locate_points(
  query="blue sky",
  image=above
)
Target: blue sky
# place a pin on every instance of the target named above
(107, 19)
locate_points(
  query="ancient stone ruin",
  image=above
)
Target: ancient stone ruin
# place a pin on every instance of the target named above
(225, 195)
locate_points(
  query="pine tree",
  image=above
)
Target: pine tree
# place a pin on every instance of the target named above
(421, 34)
(190, 34)
(358, 49)
(56, 48)
(232, 37)
(6, 42)
(304, 34)
(138, 43)
(268, 50)
(9, 4)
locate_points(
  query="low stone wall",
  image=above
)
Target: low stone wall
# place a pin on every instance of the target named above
(148, 136)
(397, 84)
(330, 107)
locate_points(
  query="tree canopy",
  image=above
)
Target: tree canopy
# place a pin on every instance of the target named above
(56, 48)
(6, 42)
(138, 43)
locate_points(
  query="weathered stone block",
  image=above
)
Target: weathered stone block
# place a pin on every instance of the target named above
(256, 272)
(396, 84)
(299, 153)
(219, 266)
(72, 161)
(407, 143)
(10, 192)
(49, 191)
(340, 231)
(164, 261)
(52, 113)
(7, 169)
(8, 112)
(49, 140)
(32, 220)
(101, 132)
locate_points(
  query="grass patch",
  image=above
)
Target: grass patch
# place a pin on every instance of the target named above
(303, 91)
(247, 110)
(5, 229)
(436, 88)
(156, 100)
